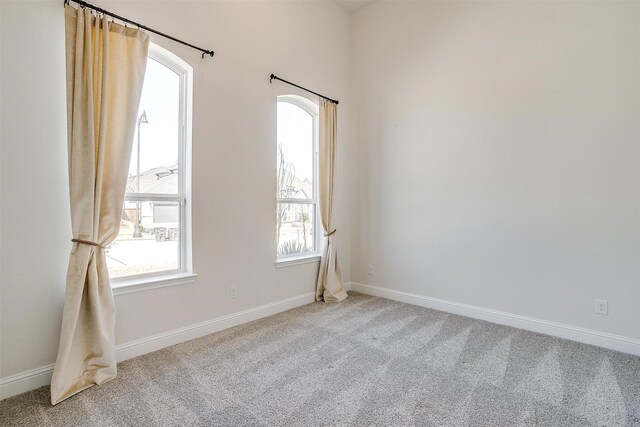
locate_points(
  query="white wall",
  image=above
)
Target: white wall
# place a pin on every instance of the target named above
(234, 165)
(499, 153)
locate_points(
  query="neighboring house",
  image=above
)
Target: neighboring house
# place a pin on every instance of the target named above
(161, 180)
(299, 189)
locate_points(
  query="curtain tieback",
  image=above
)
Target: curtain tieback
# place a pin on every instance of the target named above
(88, 242)
(329, 234)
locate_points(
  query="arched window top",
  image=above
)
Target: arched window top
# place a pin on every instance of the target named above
(302, 102)
(169, 59)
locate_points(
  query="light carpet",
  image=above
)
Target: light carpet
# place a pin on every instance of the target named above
(364, 362)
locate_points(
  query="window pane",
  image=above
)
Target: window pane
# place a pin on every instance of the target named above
(147, 246)
(295, 228)
(157, 133)
(295, 152)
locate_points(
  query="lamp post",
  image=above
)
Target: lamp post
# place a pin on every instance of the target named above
(137, 232)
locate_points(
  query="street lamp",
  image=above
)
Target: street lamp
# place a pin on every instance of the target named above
(137, 230)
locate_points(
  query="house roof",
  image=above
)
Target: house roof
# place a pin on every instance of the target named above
(162, 179)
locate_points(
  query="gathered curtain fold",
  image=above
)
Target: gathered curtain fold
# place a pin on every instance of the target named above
(330, 285)
(105, 71)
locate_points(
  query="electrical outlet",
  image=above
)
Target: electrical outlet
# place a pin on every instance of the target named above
(602, 306)
(233, 292)
(370, 270)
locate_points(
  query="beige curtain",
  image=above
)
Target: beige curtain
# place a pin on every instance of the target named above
(330, 286)
(105, 71)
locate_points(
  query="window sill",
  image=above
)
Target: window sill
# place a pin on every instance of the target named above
(148, 283)
(306, 259)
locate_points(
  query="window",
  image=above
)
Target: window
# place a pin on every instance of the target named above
(297, 189)
(154, 237)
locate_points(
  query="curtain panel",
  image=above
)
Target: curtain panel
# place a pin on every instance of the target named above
(330, 286)
(105, 70)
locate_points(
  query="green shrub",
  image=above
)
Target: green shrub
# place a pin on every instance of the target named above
(291, 247)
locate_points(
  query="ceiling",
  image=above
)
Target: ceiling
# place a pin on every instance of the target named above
(352, 6)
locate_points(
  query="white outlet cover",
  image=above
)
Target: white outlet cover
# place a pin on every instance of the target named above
(602, 307)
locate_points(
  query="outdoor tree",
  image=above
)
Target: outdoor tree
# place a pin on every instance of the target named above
(286, 174)
(304, 219)
(131, 184)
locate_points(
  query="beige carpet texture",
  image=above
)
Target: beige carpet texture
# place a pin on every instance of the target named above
(364, 362)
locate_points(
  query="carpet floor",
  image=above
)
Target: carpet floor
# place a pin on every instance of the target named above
(365, 362)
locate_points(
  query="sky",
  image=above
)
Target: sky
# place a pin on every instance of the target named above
(160, 100)
(295, 133)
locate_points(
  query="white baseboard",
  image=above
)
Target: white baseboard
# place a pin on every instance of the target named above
(156, 342)
(574, 333)
(25, 381)
(35, 378)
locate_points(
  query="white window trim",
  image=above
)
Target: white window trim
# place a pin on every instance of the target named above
(298, 260)
(183, 275)
(129, 285)
(313, 256)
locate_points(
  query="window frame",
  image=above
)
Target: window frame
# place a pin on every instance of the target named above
(303, 257)
(184, 273)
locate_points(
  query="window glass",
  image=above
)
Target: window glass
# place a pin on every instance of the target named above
(296, 158)
(295, 152)
(297, 230)
(152, 237)
(158, 247)
(158, 133)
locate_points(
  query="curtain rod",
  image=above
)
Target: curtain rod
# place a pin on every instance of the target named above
(273, 76)
(142, 27)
